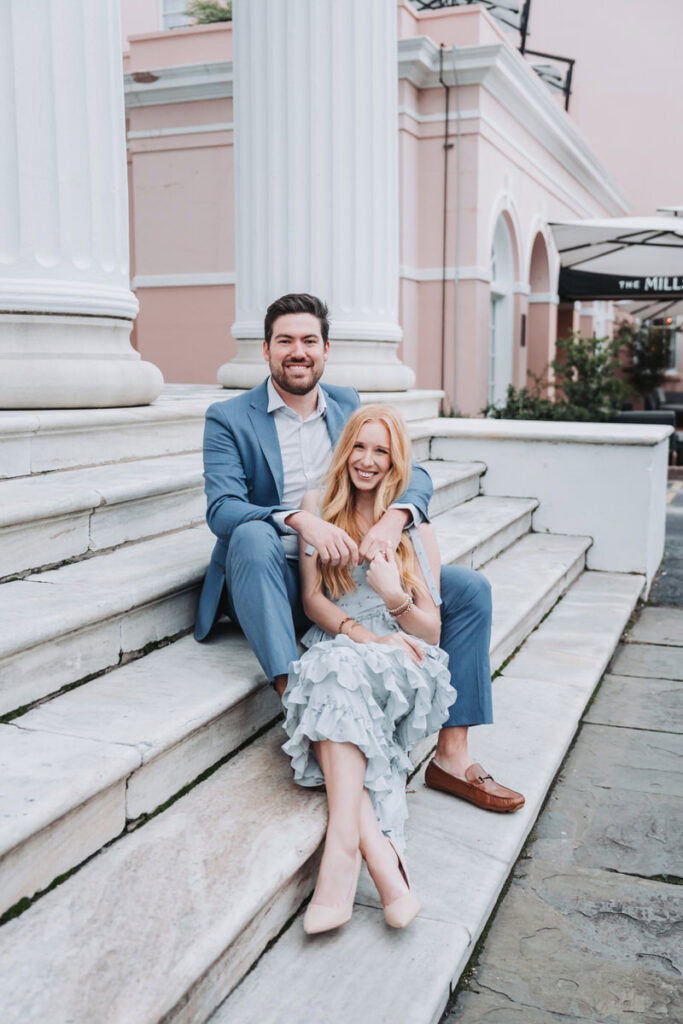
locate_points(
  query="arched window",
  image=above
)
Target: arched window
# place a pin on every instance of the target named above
(502, 307)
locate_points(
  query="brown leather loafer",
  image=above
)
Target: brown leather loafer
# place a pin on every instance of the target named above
(480, 788)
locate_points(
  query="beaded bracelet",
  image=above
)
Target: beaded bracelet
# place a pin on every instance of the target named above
(402, 608)
(340, 627)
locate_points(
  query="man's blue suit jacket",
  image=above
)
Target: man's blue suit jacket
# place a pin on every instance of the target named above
(244, 478)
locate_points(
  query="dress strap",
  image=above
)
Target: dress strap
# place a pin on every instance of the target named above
(309, 549)
(424, 563)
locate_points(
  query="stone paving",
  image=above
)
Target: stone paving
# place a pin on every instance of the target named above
(591, 927)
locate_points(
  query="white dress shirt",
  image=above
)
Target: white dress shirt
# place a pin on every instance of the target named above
(306, 452)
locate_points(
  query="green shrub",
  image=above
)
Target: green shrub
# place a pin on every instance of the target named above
(205, 12)
(586, 385)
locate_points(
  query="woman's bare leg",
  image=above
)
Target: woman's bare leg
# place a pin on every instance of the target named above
(379, 855)
(343, 766)
(352, 824)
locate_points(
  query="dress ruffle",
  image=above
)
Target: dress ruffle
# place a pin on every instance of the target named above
(372, 695)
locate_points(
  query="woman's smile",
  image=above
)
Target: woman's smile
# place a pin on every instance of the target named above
(370, 459)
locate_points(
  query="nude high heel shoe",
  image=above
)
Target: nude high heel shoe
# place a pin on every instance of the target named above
(399, 913)
(319, 918)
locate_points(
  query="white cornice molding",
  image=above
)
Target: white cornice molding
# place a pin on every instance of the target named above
(517, 87)
(181, 84)
(182, 280)
(546, 297)
(418, 61)
(451, 274)
(188, 129)
(453, 115)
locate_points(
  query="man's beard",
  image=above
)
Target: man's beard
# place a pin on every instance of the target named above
(294, 387)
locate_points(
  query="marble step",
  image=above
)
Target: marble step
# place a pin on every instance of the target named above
(52, 517)
(45, 440)
(459, 856)
(165, 922)
(68, 623)
(173, 732)
(454, 483)
(49, 518)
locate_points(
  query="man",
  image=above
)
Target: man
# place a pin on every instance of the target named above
(262, 451)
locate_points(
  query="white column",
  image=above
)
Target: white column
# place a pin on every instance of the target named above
(66, 308)
(316, 180)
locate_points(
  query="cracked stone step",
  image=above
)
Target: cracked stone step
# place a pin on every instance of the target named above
(449, 840)
(164, 922)
(178, 731)
(49, 518)
(237, 852)
(61, 799)
(67, 623)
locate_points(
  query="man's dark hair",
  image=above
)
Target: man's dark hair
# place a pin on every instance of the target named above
(296, 302)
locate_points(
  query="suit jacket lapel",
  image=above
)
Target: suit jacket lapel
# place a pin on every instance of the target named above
(334, 417)
(266, 432)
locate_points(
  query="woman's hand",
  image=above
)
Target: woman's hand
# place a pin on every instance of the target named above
(385, 535)
(384, 578)
(409, 644)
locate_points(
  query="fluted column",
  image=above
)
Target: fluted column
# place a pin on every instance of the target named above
(316, 180)
(66, 308)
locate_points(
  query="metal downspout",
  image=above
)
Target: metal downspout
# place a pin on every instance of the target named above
(444, 254)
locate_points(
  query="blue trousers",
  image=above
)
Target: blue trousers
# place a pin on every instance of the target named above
(263, 596)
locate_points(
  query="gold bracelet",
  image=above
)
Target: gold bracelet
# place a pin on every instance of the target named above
(402, 608)
(349, 618)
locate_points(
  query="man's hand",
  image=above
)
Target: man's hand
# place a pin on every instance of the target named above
(384, 536)
(334, 546)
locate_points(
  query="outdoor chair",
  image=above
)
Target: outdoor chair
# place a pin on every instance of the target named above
(667, 401)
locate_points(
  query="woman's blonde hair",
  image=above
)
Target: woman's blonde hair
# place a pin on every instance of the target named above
(339, 505)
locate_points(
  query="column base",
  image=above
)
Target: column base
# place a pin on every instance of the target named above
(72, 362)
(365, 365)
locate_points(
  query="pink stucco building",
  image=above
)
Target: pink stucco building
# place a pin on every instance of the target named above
(477, 268)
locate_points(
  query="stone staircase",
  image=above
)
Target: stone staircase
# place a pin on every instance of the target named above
(147, 768)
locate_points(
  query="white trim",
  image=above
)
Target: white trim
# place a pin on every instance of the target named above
(520, 288)
(182, 280)
(539, 297)
(437, 273)
(180, 84)
(517, 87)
(464, 115)
(188, 129)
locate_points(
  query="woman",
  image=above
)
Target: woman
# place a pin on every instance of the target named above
(372, 681)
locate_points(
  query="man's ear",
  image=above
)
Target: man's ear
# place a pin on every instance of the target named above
(326, 351)
(266, 351)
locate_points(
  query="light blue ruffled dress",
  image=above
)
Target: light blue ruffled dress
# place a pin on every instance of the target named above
(372, 695)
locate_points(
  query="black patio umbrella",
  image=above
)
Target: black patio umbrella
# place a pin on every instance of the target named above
(622, 258)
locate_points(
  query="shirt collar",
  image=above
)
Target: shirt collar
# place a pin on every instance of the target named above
(276, 401)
